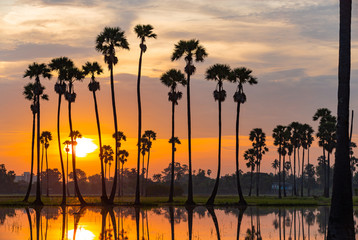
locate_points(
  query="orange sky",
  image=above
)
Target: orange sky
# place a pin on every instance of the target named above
(291, 46)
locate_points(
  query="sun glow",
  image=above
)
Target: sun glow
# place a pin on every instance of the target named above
(81, 234)
(83, 147)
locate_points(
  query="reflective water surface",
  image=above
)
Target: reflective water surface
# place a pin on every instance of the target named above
(121, 223)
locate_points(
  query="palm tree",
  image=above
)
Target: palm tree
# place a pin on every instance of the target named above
(275, 164)
(122, 157)
(118, 136)
(241, 76)
(219, 73)
(67, 149)
(189, 49)
(45, 139)
(150, 135)
(74, 135)
(250, 156)
(93, 86)
(171, 79)
(36, 70)
(341, 224)
(144, 148)
(279, 139)
(143, 32)
(296, 143)
(30, 95)
(258, 138)
(327, 140)
(73, 74)
(306, 141)
(106, 43)
(60, 65)
(107, 156)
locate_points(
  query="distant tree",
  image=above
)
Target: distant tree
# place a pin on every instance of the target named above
(157, 177)
(119, 137)
(258, 138)
(151, 136)
(7, 179)
(67, 149)
(306, 141)
(295, 141)
(45, 139)
(143, 32)
(107, 156)
(144, 148)
(61, 65)
(123, 157)
(219, 73)
(250, 157)
(278, 135)
(275, 165)
(106, 43)
(310, 172)
(191, 50)
(240, 76)
(36, 70)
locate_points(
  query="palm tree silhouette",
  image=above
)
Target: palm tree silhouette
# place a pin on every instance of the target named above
(327, 140)
(151, 136)
(171, 79)
(258, 138)
(295, 141)
(144, 148)
(143, 32)
(107, 156)
(67, 149)
(122, 157)
(73, 74)
(36, 70)
(219, 73)
(45, 139)
(189, 49)
(106, 43)
(250, 156)
(118, 137)
(241, 76)
(307, 139)
(278, 136)
(93, 86)
(274, 165)
(30, 95)
(60, 65)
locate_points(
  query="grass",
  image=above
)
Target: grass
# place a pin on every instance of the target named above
(178, 201)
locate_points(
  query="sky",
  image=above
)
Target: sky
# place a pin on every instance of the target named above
(291, 47)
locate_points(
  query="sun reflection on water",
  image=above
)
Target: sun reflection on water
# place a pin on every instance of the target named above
(81, 234)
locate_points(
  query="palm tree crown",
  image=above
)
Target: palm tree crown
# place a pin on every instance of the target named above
(218, 72)
(241, 76)
(36, 70)
(92, 69)
(107, 41)
(144, 31)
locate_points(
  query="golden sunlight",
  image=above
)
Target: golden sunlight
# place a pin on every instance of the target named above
(83, 147)
(81, 234)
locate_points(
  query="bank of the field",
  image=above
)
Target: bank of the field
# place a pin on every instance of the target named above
(179, 201)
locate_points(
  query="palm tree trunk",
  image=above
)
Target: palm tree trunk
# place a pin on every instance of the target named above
(328, 171)
(114, 186)
(303, 170)
(190, 200)
(137, 195)
(77, 189)
(30, 221)
(215, 220)
(171, 192)
(63, 202)
(284, 176)
(298, 170)
(242, 201)
(216, 186)
(32, 158)
(146, 173)
(47, 180)
(294, 172)
(104, 198)
(239, 220)
(171, 216)
(142, 177)
(324, 173)
(251, 176)
(279, 173)
(309, 178)
(341, 224)
(68, 190)
(38, 200)
(42, 163)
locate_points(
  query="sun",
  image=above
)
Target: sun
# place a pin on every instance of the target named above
(81, 234)
(83, 147)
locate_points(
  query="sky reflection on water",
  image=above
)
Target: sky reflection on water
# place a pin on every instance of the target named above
(119, 223)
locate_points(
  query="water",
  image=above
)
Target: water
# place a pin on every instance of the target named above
(70, 223)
